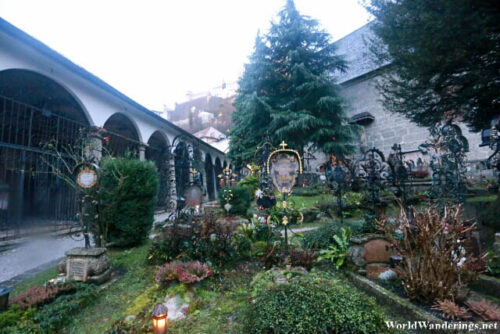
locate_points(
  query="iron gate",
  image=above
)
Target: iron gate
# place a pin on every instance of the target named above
(30, 195)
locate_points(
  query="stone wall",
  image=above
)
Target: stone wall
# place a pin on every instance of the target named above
(361, 95)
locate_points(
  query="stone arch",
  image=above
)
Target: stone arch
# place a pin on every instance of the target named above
(38, 115)
(122, 135)
(210, 177)
(158, 152)
(44, 92)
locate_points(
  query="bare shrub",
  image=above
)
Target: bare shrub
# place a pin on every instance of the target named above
(436, 258)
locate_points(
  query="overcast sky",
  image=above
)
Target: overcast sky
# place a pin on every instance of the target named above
(156, 51)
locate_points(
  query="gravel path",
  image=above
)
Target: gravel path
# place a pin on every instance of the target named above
(298, 230)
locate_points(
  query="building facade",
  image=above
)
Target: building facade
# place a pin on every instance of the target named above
(381, 128)
(46, 99)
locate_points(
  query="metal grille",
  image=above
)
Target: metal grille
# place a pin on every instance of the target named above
(29, 194)
(160, 156)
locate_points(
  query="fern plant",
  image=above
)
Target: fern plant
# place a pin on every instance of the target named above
(337, 253)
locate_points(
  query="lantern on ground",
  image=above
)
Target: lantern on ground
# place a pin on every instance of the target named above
(160, 313)
(4, 297)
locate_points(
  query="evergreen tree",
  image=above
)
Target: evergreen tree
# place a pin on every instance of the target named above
(288, 91)
(444, 57)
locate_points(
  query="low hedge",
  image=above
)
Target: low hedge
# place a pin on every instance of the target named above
(313, 304)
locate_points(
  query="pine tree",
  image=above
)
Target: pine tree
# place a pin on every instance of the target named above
(288, 92)
(444, 57)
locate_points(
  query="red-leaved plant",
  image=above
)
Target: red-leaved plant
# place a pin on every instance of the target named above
(485, 309)
(184, 272)
(40, 295)
(436, 259)
(451, 310)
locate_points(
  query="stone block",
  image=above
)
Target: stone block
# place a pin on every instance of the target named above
(356, 255)
(87, 264)
(378, 250)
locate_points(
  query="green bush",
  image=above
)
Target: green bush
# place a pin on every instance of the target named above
(207, 239)
(127, 190)
(250, 181)
(50, 318)
(242, 198)
(54, 316)
(321, 237)
(312, 304)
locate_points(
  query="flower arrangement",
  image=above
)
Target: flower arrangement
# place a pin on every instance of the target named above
(184, 272)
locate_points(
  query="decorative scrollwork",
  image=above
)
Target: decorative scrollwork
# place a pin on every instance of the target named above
(447, 148)
(374, 171)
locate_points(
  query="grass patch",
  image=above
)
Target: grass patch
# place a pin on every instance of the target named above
(476, 199)
(306, 202)
(126, 293)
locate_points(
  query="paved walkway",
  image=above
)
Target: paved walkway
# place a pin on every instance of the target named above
(33, 253)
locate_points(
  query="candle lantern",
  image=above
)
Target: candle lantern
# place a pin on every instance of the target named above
(160, 313)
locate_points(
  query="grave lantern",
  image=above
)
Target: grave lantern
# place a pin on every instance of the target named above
(160, 313)
(4, 297)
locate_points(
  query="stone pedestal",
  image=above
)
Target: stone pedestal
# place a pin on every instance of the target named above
(86, 265)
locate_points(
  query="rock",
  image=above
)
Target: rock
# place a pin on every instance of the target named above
(496, 247)
(388, 275)
(310, 214)
(130, 318)
(281, 275)
(356, 255)
(363, 238)
(378, 250)
(176, 306)
(379, 271)
(61, 266)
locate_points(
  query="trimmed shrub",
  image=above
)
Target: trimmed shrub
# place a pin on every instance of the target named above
(241, 200)
(313, 304)
(250, 181)
(321, 237)
(128, 195)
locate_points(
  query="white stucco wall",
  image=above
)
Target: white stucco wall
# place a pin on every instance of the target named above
(97, 103)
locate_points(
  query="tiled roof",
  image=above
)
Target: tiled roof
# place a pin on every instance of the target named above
(210, 132)
(354, 49)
